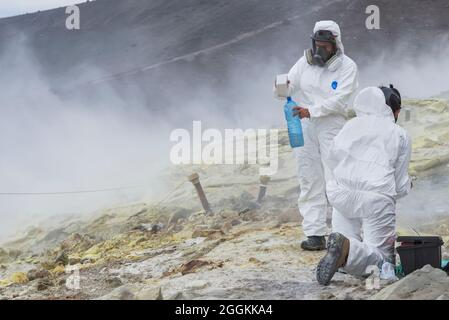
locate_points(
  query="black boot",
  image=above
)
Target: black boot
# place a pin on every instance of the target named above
(314, 243)
(337, 252)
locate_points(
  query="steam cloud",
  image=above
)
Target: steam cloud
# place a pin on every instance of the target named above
(52, 144)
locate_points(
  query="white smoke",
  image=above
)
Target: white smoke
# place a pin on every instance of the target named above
(52, 144)
(418, 75)
(49, 144)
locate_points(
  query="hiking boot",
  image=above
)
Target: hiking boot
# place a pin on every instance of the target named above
(314, 243)
(337, 253)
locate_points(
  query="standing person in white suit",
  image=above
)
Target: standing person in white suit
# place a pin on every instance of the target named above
(369, 160)
(323, 81)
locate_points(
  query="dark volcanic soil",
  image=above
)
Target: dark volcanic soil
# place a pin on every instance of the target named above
(122, 38)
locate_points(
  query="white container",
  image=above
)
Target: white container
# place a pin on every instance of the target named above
(281, 85)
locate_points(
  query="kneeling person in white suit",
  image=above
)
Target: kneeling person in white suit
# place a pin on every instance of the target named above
(369, 160)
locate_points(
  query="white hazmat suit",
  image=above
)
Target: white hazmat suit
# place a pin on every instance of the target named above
(325, 91)
(369, 160)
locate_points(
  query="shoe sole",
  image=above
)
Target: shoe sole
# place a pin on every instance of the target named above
(327, 267)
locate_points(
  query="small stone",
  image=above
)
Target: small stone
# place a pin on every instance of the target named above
(177, 215)
(150, 227)
(38, 274)
(114, 282)
(204, 231)
(254, 260)
(87, 260)
(235, 222)
(263, 240)
(141, 227)
(197, 285)
(226, 227)
(193, 265)
(74, 260)
(62, 259)
(226, 214)
(347, 296)
(291, 215)
(177, 296)
(124, 292)
(14, 254)
(4, 256)
(327, 296)
(157, 227)
(427, 283)
(43, 284)
(216, 225)
(249, 215)
(150, 294)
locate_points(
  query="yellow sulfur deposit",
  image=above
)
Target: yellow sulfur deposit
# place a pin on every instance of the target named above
(16, 278)
(58, 270)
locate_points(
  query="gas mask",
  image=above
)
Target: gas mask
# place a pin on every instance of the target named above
(320, 56)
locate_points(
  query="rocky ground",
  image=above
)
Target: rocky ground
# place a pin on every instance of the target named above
(174, 250)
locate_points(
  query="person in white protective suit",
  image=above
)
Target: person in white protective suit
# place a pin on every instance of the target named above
(369, 160)
(323, 80)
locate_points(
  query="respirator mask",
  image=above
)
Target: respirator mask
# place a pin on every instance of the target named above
(321, 55)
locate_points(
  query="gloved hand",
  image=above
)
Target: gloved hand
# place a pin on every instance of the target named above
(301, 112)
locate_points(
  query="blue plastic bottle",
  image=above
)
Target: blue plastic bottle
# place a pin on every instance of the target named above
(293, 124)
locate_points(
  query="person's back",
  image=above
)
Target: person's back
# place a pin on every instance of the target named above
(369, 160)
(366, 155)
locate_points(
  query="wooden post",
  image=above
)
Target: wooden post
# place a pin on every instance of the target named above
(195, 180)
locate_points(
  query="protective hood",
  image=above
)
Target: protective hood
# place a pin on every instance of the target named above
(336, 61)
(333, 27)
(371, 102)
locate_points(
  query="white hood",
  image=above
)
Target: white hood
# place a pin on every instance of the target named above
(371, 102)
(333, 27)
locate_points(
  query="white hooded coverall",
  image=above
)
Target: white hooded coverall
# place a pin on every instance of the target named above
(325, 91)
(369, 160)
